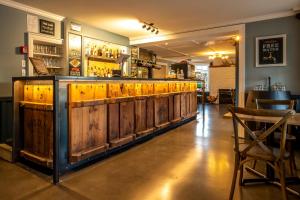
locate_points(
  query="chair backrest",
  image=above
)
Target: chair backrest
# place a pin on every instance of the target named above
(282, 115)
(274, 104)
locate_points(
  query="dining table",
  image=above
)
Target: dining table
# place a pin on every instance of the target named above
(293, 120)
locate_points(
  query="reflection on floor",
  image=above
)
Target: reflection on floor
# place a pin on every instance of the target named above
(194, 161)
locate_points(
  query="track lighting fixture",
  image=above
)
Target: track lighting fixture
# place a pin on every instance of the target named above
(150, 27)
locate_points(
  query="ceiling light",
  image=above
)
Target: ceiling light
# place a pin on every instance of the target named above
(150, 27)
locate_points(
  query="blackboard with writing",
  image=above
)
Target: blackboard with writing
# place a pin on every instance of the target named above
(270, 51)
(47, 27)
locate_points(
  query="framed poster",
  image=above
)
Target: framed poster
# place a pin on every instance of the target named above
(271, 51)
(47, 27)
(75, 63)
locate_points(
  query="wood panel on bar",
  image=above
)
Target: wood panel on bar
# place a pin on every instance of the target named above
(101, 115)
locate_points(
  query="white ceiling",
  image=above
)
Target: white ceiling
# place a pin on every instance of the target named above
(171, 16)
(197, 50)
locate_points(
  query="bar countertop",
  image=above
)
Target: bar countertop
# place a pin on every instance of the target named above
(91, 78)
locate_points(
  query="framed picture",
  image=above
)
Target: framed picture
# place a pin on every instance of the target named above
(75, 64)
(271, 51)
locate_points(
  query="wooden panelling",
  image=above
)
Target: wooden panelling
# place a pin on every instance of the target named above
(102, 114)
(144, 119)
(161, 111)
(127, 118)
(176, 106)
(38, 134)
(87, 121)
(140, 115)
(183, 110)
(113, 121)
(150, 112)
(171, 108)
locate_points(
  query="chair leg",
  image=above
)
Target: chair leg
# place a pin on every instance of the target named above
(236, 168)
(281, 167)
(254, 164)
(292, 162)
(241, 174)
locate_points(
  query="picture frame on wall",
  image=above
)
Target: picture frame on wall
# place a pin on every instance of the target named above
(271, 51)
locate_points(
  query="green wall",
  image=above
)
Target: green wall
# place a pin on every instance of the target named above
(289, 75)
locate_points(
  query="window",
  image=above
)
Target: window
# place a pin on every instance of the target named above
(202, 74)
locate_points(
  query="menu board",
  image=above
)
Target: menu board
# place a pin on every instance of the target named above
(47, 27)
(39, 66)
(271, 51)
(75, 62)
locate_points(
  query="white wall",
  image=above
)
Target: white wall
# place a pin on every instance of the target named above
(221, 78)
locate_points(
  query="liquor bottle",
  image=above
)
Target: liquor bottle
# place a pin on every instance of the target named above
(99, 52)
(91, 50)
(110, 53)
(103, 50)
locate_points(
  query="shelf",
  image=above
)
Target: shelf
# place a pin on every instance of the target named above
(36, 105)
(103, 59)
(54, 67)
(48, 55)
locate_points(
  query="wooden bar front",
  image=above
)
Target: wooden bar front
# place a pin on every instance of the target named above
(96, 115)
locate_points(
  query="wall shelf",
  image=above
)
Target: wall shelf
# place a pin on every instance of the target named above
(47, 55)
(102, 59)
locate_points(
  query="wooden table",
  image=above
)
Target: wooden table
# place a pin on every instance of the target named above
(294, 120)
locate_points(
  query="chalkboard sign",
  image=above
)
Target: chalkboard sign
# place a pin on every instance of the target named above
(47, 27)
(271, 51)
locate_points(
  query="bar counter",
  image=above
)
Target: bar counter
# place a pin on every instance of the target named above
(63, 122)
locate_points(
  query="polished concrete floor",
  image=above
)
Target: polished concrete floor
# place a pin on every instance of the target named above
(194, 161)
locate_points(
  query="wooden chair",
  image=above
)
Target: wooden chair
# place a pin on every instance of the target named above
(280, 105)
(257, 149)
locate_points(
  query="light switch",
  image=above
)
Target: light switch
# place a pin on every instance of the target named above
(23, 72)
(23, 63)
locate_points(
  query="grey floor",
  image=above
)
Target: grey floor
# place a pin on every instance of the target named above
(193, 161)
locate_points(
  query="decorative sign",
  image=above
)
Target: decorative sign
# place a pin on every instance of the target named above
(47, 27)
(75, 63)
(271, 51)
(75, 27)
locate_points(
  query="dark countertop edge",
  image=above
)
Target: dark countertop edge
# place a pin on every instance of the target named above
(54, 78)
